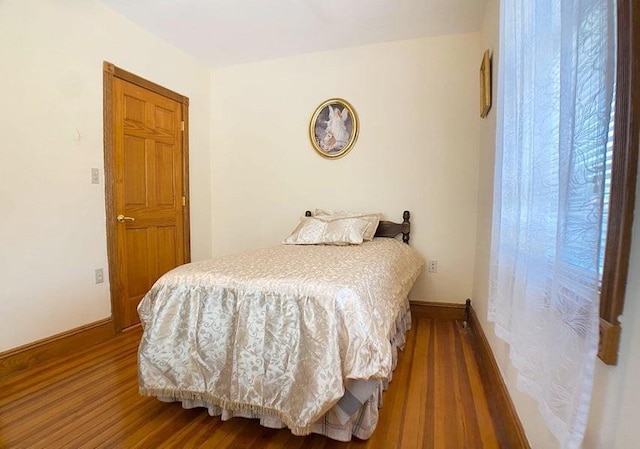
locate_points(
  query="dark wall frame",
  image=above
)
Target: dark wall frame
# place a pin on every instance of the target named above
(623, 179)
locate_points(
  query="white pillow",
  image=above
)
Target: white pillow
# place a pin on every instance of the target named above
(373, 218)
(329, 231)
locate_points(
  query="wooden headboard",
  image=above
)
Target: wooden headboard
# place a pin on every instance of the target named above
(389, 228)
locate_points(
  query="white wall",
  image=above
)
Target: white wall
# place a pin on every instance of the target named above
(613, 420)
(52, 220)
(417, 148)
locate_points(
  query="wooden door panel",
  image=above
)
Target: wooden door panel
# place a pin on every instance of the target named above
(165, 156)
(133, 111)
(138, 263)
(168, 251)
(134, 167)
(165, 119)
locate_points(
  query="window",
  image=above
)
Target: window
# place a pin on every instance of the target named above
(607, 189)
(557, 75)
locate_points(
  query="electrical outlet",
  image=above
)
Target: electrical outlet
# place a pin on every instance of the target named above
(99, 275)
(433, 266)
(95, 176)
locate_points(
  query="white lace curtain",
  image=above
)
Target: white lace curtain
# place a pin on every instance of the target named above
(555, 87)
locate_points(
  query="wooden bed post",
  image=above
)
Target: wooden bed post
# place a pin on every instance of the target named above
(405, 235)
(467, 312)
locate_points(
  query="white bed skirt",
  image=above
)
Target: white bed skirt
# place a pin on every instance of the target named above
(341, 422)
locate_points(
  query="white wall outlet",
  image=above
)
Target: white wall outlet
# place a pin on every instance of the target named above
(99, 275)
(432, 266)
(95, 176)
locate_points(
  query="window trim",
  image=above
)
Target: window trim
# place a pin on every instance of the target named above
(623, 179)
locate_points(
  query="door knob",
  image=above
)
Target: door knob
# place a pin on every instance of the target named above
(121, 218)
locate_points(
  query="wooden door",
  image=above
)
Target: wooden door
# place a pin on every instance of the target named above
(148, 205)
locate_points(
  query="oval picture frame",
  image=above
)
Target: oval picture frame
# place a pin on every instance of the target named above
(333, 128)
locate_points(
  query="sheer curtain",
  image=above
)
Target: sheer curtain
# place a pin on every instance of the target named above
(555, 88)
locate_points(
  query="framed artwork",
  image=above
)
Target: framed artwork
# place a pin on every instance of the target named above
(485, 84)
(333, 129)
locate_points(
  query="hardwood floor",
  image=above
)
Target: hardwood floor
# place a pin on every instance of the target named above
(436, 400)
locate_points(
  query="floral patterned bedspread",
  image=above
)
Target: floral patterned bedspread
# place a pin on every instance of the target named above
(277, 331)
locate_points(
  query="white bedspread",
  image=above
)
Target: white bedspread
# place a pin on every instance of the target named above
(277, 331)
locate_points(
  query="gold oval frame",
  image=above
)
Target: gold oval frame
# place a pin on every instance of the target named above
(319, 143)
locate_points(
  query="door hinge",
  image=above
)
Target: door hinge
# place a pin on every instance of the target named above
(184, 201)
(182, 125)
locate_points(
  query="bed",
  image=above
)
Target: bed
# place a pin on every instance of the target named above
(298, 336)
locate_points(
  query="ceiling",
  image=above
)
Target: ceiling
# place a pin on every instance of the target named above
(227, 32)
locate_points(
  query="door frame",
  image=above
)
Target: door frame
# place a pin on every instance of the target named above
(109, 72)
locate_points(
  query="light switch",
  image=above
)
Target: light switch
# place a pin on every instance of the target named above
(95, 176)
(99, 276)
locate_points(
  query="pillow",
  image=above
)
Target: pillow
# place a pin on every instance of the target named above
(374, 219)
(329, 230)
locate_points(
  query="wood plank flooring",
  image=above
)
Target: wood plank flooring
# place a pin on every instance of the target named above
(90, 400)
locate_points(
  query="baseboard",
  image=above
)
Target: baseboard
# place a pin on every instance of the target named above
(500, 401)
(57, 346)
(438, 310)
